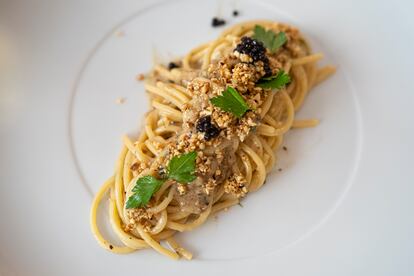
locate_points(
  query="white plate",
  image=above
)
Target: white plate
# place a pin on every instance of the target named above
(341, 204)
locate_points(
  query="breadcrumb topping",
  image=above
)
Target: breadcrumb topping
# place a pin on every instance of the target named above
(138, 216)
(236, 185)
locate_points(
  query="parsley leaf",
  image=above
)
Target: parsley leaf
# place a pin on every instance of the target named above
(269, 39)
(144, 188)
(274, 82)
(231, 101)
(181, 168)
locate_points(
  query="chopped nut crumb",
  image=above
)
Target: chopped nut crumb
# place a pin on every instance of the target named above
(140, 216)
(120, 33)
(235, 185)
(120, 100)
(140, 77)
(181, 188)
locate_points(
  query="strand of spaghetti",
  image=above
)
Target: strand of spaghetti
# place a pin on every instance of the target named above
(267, 130)
(152, 148)
(161, 223)
(307, 59)
(150, 123)
(323, 74)
(182, 97)
(165, 234)
(180, 250)
(186, 60)
(277, 142)
(311, 72)
(266, 105)
(118, 185)
(248, 170)
(270, 163)
(129, 240)
(136, 151)
(168, 111)
(199, 55)
(302, 89)
(178, 215)
(207, 56)
(305, 123)
(164, 71)
(287, 67)
(156, 245)
(163, 204)
(162, 190)
(218, 51)
(223, 205)
(168, 96)
(181, 89)
(167, 129)
(270, 121)
(255, 143)
(190, 226)
(93, 221)
(127, 174)
(260, 172)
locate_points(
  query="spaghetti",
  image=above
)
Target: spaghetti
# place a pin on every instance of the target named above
(232, 160)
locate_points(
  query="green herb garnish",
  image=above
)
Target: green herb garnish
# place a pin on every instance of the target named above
(181, 168)
(269, 39)
(274, 82)
(231, 101)
(145, 187)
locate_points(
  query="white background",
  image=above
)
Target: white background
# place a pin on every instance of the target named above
(44, 209)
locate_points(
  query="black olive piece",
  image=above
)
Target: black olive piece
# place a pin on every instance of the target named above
(172, 65)
(216, 22)
(210, 130)
(251, 47)
(256, 50)
(211, 133)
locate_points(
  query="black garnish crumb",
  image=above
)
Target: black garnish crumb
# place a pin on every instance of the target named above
(111, 247)
(210, 130)
(203, 123)
(280, 169)
(267, 69)
(251, 47)
(172, 65)
(256, 50)
(216, 22)
(235, 13)
(284, 148)
(161, 171)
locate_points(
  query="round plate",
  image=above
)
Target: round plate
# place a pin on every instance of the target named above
(293, 202)
(341, 205)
